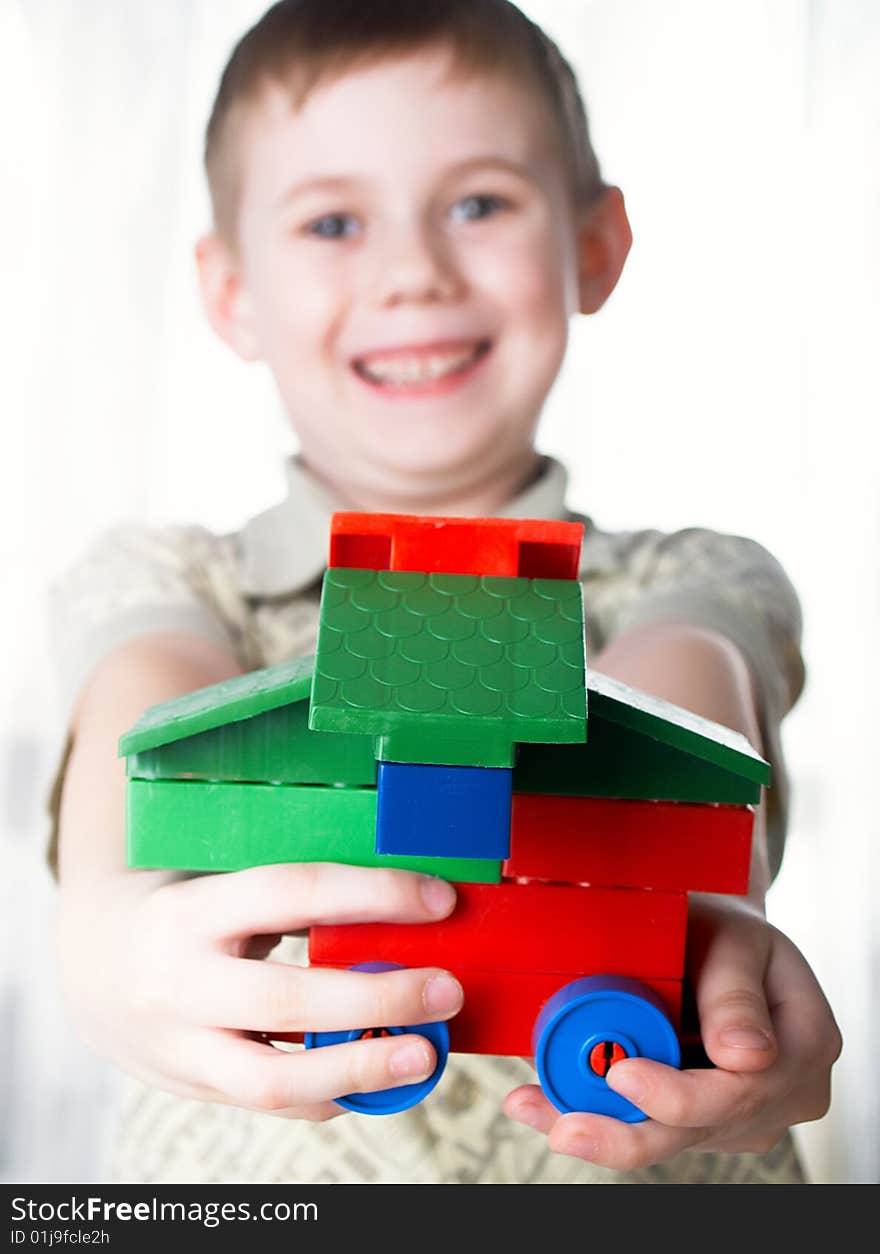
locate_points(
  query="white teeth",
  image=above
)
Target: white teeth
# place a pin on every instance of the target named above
(413, 369)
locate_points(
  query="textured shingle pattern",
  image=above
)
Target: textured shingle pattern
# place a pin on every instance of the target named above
(417, 657)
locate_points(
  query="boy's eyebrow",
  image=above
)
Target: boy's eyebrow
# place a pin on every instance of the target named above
(344, 182)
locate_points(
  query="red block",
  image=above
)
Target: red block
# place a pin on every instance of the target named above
(530, 548)
(671, 845)
(527, 927)
(500, 1007)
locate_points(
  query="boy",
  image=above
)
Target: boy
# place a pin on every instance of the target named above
(407, 214)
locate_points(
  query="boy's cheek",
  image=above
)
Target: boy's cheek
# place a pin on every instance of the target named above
(293, 320)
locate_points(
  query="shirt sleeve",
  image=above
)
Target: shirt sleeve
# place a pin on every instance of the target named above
(733, 585)
(130, 581)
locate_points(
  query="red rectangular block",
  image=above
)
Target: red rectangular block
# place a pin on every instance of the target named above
(527, 927)
(530, 548)
(675, 846)
(500, 1008)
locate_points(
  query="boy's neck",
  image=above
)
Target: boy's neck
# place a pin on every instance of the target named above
(478, 499)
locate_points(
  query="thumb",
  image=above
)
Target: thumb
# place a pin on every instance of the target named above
(735, 1020)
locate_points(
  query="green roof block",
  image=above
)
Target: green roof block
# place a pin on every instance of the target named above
(619, 762)
(450, 669)
(274, 747)
(643, 748)
(661, 720)
(215, 706)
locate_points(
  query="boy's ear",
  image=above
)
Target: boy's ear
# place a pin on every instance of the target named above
(604, 239)
(225, 297)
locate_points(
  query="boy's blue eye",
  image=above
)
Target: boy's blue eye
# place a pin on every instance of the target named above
(476, 207)
(332, 226)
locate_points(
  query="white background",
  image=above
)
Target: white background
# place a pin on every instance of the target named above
(731, 383)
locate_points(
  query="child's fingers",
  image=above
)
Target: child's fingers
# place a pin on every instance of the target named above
(276, 1081)
(804, 1020)
(528, 1105)
(695, 1099)
(274, 996)
(289, 897)
(628, 1147)
(735, 1022)
(617, 1145)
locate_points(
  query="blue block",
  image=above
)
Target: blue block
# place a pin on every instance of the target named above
(443, 811)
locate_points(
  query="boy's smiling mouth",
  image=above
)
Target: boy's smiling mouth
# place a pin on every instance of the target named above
(421, 367)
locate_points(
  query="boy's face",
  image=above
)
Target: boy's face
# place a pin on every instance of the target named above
(407, 268)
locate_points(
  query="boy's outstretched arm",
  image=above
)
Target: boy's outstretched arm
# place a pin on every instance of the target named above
(164, 975)
(765, 1022)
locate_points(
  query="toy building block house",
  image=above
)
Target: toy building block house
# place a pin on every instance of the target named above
(447, 724)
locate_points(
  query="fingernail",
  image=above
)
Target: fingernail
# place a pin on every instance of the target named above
(626, 1085)
(745, 1038)
(441, 994)
(437, 895)
(410, 1060)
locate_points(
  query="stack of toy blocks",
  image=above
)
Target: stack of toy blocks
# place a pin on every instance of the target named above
(442, 727)
(457, 644)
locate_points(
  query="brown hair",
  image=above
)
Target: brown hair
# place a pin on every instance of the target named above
(298, 43)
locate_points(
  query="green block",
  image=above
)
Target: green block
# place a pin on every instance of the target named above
(661, 720)
(196, 826)
(455, 743)
(643, 748)
(619, 762)
(244, 696)
(450, 669)
(276, 747)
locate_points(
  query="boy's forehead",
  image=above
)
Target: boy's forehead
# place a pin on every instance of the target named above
(414, 109)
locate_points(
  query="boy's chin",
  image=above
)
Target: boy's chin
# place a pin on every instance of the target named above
(440, 464)
(425, 462)
(442, 446)
(434, 483)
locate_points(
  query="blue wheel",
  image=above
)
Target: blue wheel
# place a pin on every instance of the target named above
(387, 1101)
(589, 1025)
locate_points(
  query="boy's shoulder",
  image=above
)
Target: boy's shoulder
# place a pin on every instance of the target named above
(135, 579)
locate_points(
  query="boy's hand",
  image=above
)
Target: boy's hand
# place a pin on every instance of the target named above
(766, 1026)
(165, 978)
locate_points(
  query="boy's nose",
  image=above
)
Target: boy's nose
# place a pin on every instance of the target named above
(415, 266)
